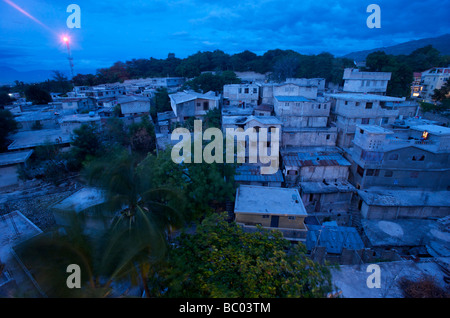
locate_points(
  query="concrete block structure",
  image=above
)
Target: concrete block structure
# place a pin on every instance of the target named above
(272, 208)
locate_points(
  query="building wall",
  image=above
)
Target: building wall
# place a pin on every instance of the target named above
(136, 107)
(238, 93)
(431, 173)
(395, 212)
(338, 202)
(8, 176)
(284, 221)
(322, 137)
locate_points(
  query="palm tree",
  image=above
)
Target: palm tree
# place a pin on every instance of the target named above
(140, 218)
(144, 214)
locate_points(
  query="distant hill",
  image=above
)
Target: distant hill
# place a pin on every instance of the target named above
(441, 43)
(8, 75)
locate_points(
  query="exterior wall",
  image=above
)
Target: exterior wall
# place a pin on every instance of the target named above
(309, 137)
(395, 212)
(431, 173)
(338, 202)
(365, 82)
(284, 221)
(260, 183)
(290, 89)
(242, 93)
(8, 176)
(316, 174)
(136, 107)
(46, 124)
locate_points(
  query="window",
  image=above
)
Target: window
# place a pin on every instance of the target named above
(372, 172)
(385, 120)
(418, 158)
(328, 137)
(346, 103)
(286, 104)
(357, 104)
(292, 172)
(291, 217)
(360, 171)
(240, 90)
(393, 156)
(369, 105)
(205, 105)
(255, 90)
(361, 131)
(199, 104)
(319, 106)
(324, 106)
(265, 216)
(365, 121)
(388, 173)
(246, 90)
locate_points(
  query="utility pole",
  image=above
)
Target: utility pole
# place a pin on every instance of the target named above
(69, 55)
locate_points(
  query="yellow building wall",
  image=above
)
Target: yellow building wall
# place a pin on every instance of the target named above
(284, 221)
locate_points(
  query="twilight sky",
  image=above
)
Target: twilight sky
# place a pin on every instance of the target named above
(113, 30)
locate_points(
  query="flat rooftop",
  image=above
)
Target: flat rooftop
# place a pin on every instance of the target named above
(374, 129)
(269, 200)
(81, 200)
(405, 232)
(34, 138)
(352, 279)
(433, 129)
(329, 187)
(11, 158)
(241, 120)
(365, 97)
(386, 197)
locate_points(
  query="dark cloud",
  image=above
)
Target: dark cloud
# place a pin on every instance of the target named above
(115, 30)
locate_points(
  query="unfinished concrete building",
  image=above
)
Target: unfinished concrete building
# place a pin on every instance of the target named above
(365, 82)
(414, 158)
(351, 109)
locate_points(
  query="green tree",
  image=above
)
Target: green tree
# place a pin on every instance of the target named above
(443, 92)
(85, 145)
(5, 99)
(8, 125)
(37, 95)
(222, 260)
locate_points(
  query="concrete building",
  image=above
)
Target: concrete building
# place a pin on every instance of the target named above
(9, 163)
(249, 174)
(242, 95)
(166, 120)
(34, 120)
(314, 167)
(269, 91)
(79, 104)
(272, 208)
(388, 204)
(417, 157)
(433, 79)
(365, 82)
(69, 123)
(30, 139)
(328, 199)
(192, 104)
(416, 86)
(351, 109)
(134, 105)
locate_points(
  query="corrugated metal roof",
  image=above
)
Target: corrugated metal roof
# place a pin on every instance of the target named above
(253, 173)
(303, 159)
(334, 238)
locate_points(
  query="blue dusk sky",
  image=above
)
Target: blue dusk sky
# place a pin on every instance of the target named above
(31, 30)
